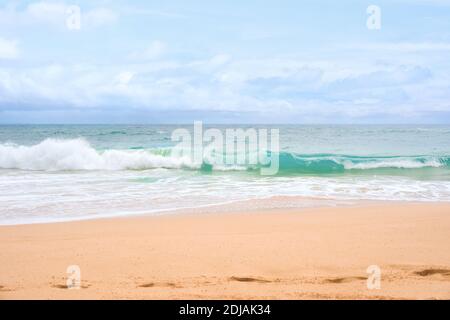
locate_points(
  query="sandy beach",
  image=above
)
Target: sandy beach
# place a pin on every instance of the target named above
(278, 254)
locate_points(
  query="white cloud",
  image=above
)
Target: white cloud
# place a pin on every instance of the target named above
(288, 86)
(426, 2)
(220, 59)
(55, 14)
(148, 12)
(98, 17)
(124, 77)
(8, 49)
(154, 51)
(46, 12)
(404, 46)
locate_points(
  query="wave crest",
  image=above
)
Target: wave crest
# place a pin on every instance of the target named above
(78, 154)
(331, 163)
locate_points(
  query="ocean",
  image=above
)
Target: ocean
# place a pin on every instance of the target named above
(52, 173)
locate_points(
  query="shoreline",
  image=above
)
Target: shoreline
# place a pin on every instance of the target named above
(257, 205)
(306, 253)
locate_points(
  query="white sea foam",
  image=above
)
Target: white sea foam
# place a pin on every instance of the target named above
(397, 163)
(69, 179)
(78, 154)
(36, 196)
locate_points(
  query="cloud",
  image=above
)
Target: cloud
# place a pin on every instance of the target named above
(403, 46)
(223, 62)
(220, 59)
(123, 78)
(385, 77)
(149, 12)
(289, 87)
(8, 49)
(55, 14)
(154, 51)
(425, 2)
(46, 12)
(99, 16)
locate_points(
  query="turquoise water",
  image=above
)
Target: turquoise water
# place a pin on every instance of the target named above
(65, 172)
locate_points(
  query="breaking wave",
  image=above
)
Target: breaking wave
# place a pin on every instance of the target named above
(78, 154)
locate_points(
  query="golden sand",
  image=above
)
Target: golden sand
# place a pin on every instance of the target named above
(280, 254)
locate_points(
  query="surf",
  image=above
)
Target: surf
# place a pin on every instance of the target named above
(79, 154)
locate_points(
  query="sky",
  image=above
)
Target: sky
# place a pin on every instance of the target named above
(225, 61)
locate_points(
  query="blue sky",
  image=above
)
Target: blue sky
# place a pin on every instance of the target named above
(225, 62)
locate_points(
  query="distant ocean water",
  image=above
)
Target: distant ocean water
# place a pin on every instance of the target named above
(67, 172)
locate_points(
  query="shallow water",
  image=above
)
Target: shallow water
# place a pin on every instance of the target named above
(66, 172)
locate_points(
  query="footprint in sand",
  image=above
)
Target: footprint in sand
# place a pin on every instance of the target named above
(248, 279)
(64, 286)
(166, 284)
(4, 289)
(432, 272)
(345, 279)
